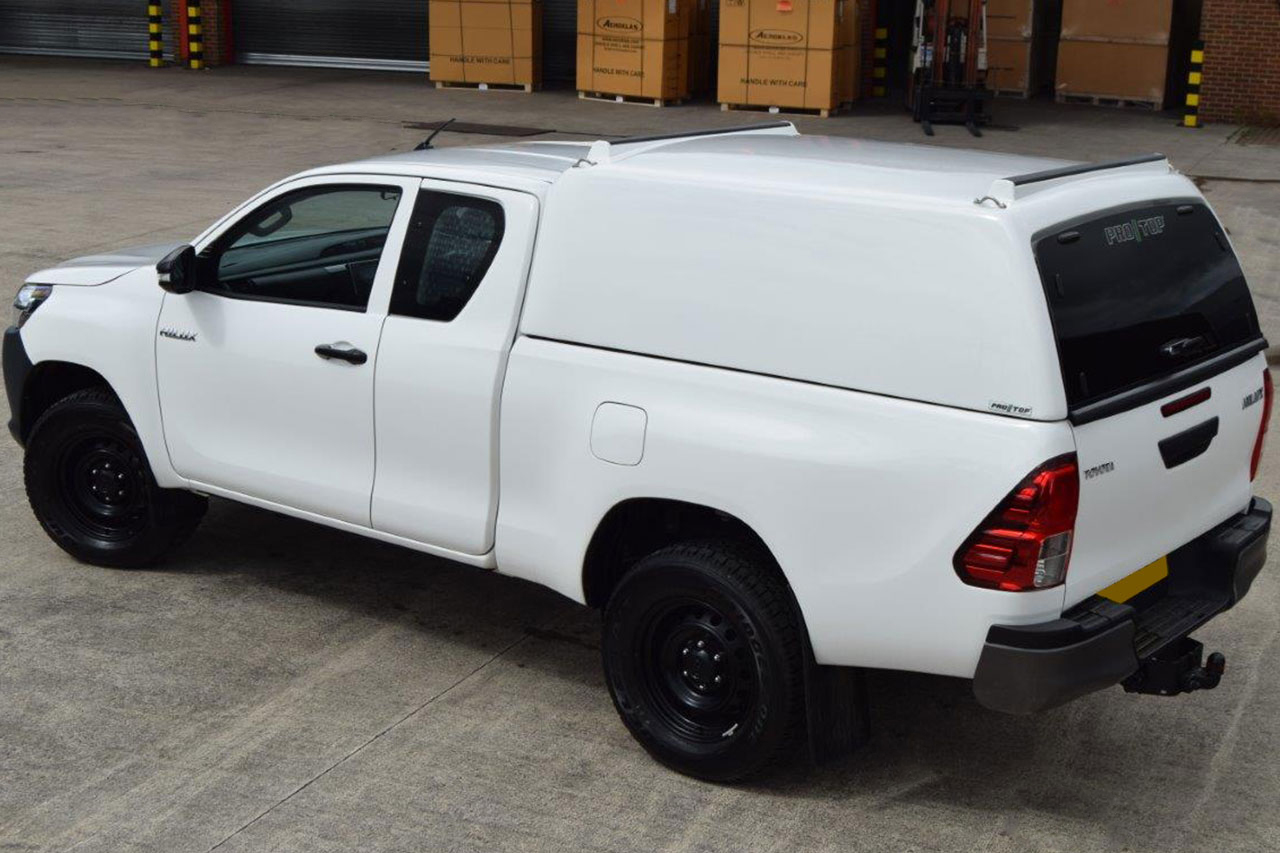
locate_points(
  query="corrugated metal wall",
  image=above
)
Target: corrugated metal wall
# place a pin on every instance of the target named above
(388, 34)
(111, 29)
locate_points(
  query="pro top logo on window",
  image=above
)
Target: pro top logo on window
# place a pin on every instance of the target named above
(1134, 231)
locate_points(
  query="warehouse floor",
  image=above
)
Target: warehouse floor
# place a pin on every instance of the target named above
(282, 686)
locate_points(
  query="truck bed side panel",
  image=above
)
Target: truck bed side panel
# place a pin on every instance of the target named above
(863, 499)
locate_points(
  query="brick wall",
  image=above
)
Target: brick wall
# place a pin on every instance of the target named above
(1241, 61)
(215, 20)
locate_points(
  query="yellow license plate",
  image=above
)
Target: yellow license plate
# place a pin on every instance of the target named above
(1144, 578)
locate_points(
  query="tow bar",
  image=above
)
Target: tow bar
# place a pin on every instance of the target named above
(1177, 669)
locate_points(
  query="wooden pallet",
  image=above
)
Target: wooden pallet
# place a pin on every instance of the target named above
(788, 111)
(629, 99)
(485, 87)
(1109, 101)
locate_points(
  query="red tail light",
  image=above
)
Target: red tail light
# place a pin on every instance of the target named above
(1025, 543)
(1268, 394)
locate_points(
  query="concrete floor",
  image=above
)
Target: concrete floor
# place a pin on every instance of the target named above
(282, 686)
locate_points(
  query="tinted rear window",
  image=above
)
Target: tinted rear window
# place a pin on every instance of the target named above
(1140, 293)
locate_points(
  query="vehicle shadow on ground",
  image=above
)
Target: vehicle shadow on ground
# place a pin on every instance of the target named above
(931, 742)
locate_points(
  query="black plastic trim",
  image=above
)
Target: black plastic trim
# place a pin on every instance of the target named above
(1082, 169)
(17, 367)
(1171, 384)
(1023, 681)
(1184, 446)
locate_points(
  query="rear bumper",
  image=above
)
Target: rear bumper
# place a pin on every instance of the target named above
(1098, 643)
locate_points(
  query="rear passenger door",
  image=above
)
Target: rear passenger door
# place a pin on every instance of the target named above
(452, 319)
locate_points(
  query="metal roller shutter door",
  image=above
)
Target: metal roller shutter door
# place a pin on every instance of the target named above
(388, 34)
(559, 40)
(108, 29)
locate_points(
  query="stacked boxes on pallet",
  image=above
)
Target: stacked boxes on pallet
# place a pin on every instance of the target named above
(1114, 49)
(634, 48)
(789, 54)
(486, 41)
(1010, 24)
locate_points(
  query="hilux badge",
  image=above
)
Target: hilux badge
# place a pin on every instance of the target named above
(177, 336)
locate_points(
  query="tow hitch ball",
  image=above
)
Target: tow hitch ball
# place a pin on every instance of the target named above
(1177, 669)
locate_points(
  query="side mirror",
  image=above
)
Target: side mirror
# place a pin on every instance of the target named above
(177, 270)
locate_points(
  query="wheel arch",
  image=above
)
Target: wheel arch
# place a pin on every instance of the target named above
(50, 381)
(638, 526)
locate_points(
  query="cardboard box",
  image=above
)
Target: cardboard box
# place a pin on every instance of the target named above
(635, 48)
(647, 19)
(1112, 70)
(801, 54)
(1010, 19)
(779, 77)
(482, 41)
(1009, 65)
(1140, 21)
(635, 67)
(821, 24)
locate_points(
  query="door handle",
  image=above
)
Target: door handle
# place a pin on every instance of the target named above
(342, 352)
(1188, 444)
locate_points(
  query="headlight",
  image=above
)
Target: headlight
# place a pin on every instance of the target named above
(28, 300)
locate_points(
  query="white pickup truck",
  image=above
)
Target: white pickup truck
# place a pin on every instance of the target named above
(783, 407)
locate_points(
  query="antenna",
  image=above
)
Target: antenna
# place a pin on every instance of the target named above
(425, 145)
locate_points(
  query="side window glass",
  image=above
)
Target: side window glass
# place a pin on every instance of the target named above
(317, 246)
(452, 240)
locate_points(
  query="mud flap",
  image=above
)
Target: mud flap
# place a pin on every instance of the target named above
(837, 711)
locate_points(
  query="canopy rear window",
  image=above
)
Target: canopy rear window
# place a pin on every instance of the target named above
(1139, 294)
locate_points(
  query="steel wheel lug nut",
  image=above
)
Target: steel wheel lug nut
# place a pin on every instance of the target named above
(718, 679)
(702, 644)
(716, 658)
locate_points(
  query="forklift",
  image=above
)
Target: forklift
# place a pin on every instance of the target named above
(949, 65)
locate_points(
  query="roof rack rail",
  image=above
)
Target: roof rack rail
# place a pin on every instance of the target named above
(742, 128)
(1005, 191)
(1083, 168)
(601, 151)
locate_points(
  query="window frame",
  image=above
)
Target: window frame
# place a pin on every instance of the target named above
(438, 200)
(235, 225)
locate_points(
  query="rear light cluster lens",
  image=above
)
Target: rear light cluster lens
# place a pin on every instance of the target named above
(1268, 395)
(1025, 543)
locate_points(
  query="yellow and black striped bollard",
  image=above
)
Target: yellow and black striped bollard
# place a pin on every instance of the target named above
(195, 37)
(155, 34)
(880, 58)
(1192, 116)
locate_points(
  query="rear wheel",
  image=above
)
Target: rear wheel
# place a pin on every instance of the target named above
(704, 660)
(91, 488)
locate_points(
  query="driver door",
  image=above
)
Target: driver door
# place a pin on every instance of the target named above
(265, 371)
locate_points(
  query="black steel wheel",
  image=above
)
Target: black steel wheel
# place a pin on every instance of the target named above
(90, 486)
(704, 660)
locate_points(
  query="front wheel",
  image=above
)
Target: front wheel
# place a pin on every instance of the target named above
(704, 660)
(91, 489)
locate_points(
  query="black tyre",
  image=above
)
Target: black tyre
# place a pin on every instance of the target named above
(705, 662)
(91, 488)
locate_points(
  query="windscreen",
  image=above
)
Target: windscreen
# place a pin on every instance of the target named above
(1139, 293)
